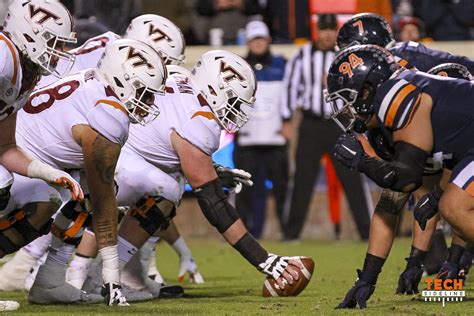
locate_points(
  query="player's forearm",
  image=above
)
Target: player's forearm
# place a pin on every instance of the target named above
(14, 159)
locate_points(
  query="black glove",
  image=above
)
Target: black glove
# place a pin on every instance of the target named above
(349, 151)
(449, 271)
(359, 294)
(410, 277)
(427, 206)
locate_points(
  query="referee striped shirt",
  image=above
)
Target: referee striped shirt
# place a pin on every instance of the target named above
(305, 80)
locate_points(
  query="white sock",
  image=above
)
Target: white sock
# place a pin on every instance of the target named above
(78, 269)
(125, 251)
(110, 264)
(181, 248)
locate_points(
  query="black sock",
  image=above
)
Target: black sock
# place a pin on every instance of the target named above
(455, 254)
(416, 257)
(372, 268)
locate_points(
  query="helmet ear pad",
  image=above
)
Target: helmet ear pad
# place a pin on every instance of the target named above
(365, 99)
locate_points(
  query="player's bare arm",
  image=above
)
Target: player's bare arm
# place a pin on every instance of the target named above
(198, 169)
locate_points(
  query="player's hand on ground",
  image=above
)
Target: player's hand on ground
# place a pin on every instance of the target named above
(348, 150)
(188, 265)
(427, 206)
(112, 294)
(64, 180)
(359, 294)
(233, 179)
(448, 271)
(410, 278)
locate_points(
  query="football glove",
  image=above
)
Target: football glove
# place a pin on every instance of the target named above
(349, 151)
(427, 206)
(274, 265)
(187, 264)
(359, 294)
(113, 295)
(410, 277)
(233, 179)
(449, 271)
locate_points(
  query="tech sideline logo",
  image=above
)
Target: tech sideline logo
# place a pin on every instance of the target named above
(443, 291)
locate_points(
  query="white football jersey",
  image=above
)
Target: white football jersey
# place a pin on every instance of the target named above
(87, 56)
(184, 110)
(10, 78)
(44, 125)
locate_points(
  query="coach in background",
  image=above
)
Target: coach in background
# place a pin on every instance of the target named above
(304, 82)
(260, 148)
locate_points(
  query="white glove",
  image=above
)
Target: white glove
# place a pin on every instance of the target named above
(274, 265)
(39, 170)
(233, 179)
(113, 295)
(187, 264)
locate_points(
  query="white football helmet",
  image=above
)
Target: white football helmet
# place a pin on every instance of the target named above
(161, 34)
(40, 29)
(226, 81)
(136, 72)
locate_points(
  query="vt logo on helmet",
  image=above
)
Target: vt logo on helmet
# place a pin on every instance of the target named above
(135, 72)
(40, 29)
(227, 82)
(352, 82)
(161, 34)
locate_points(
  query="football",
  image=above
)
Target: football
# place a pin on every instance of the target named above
(271, 288)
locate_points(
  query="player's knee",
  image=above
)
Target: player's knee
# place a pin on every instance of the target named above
(16, 230)
(153, 213)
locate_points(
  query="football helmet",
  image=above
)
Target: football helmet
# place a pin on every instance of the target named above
(352, 83)
(452, 70)
(41, 29)
(365, 28)
(227, 82)
(161, 34)
(135, 72)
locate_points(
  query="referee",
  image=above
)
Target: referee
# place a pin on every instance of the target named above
(304, 82)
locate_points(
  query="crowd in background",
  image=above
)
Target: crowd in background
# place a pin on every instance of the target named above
(288, 20)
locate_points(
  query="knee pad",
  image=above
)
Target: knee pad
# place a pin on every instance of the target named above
(16, 231)
(79, 214)
(4, 196)
(153, 213)
(214, 205)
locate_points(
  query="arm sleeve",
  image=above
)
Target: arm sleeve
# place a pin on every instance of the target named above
(109, 120)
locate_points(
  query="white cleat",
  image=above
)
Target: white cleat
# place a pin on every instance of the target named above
(9, 306)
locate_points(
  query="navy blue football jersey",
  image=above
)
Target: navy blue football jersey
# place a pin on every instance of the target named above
(452, 115)
(412, 54)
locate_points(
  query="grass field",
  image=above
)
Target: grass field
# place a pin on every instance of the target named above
(233, 287)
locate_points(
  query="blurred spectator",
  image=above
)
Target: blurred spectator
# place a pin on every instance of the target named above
(288, 20)
(228, 15)
(448, 20)
(410, 29)
(88, 28)
(114, 14)
(259, 145)
(305, 80)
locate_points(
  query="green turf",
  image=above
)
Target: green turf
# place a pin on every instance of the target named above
(233, 287)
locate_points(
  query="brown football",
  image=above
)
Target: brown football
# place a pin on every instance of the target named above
(270, 286)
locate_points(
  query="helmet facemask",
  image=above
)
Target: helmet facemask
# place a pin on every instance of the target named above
(53, 53)
(140, 106)
(230, 115)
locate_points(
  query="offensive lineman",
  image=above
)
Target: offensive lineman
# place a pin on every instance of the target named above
(31, 43)
(83, 121)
